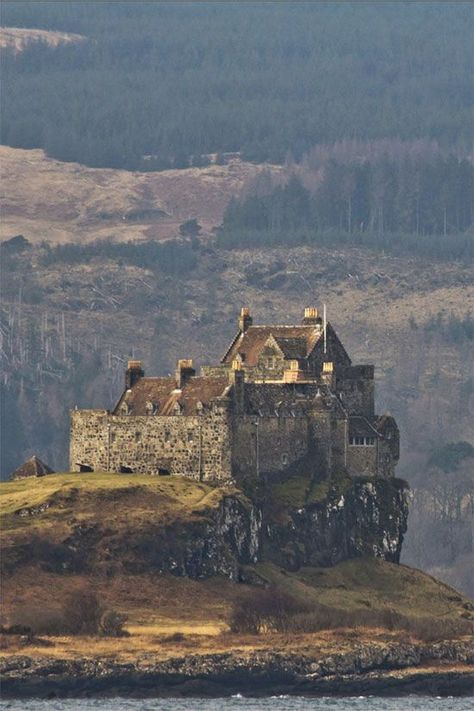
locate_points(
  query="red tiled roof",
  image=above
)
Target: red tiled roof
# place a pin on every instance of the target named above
(164, 394)
(295, 342)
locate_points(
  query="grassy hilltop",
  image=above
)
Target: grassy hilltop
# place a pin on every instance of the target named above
(114, 514)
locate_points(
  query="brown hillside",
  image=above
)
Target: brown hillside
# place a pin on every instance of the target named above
(45, 199)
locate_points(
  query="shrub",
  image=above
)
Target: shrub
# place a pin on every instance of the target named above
(268, 610)
(111, 624)
(271, 610)
(81, 614)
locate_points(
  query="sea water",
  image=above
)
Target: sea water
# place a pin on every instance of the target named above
(243, 703)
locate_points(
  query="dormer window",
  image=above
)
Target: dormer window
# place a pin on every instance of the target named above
(151, 407)
(177, 409)
(125, 408)
(199, 407)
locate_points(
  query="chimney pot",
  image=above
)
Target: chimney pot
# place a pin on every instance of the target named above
(184, 371)
(133, 373)
(311, 316)
(245, 319)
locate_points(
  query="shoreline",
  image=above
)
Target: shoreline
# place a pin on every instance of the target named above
(443, 669)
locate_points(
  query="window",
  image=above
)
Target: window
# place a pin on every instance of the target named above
(362, 441)
(167, 436)
(138, 436)
(190, 436)
(284, 458)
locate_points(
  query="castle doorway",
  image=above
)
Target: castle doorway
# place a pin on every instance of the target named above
(126, 470)
(84, 468)
(163, 472)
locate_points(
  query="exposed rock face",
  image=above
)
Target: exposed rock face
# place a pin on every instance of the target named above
(217, 545)
(212, 541)
(368, 519)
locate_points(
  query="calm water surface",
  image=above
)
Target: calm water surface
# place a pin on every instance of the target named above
(240, 703)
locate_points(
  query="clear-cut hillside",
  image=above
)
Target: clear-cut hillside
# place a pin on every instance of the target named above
(46, 199)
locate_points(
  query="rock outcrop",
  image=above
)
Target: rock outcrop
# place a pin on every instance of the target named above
(387, 669)
(369, 518)
(230, 531)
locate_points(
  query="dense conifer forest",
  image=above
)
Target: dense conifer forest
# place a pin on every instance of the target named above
(400, 197)
(158, 85)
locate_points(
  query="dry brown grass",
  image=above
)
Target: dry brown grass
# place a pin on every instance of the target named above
(46, 199)
(170, 616)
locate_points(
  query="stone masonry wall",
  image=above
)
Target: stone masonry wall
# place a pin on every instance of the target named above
(197, 447)
(385, 460)
(356, 388)
(362, 460)
(277, 442)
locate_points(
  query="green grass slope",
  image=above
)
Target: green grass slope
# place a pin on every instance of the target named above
(361, 592)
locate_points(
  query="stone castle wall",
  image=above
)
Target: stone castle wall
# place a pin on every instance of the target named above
(356, 388)
(362, 460)
(196, 447)
(266, 445)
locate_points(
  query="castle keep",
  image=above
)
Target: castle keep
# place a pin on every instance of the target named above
(283, 398)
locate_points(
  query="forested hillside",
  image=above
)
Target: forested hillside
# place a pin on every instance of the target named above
(340, 132)
(161, 84)
(391, 195)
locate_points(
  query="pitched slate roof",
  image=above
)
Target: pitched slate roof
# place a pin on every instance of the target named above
(164, 395)
(294, 341)
(360, 426)
(32, 467)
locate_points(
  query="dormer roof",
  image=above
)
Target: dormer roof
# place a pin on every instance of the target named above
(195, 394)
(294, 342)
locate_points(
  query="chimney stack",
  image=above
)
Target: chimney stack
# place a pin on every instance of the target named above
(237, 379)
(311, 317)
(245, 319)
(133, 373)
(328, 374)
(184, 371)
(293, 372)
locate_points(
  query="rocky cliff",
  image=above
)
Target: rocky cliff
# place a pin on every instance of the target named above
(111, 523)
(364, 518)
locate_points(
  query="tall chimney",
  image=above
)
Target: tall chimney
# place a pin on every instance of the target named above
(184, 371)
(245, 319)
(133, 373)
(311, 317)
(328, 374)
(237, 379)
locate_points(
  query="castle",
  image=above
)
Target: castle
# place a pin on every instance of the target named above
(282, 398)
